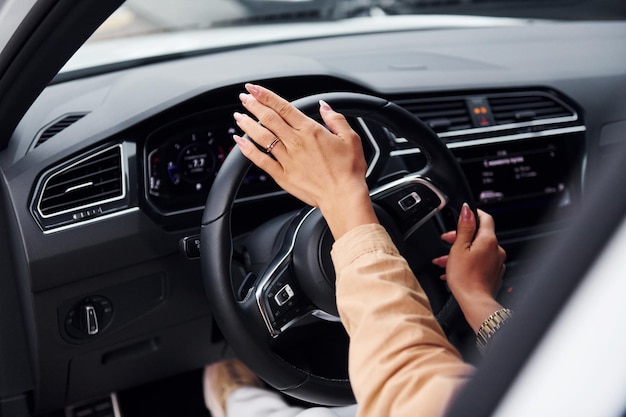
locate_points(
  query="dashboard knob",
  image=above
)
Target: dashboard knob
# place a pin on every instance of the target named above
(89, 317)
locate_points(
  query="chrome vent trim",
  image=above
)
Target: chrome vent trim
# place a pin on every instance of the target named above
(450, 117)
(499, 139)
(89, 183)
(57, 127)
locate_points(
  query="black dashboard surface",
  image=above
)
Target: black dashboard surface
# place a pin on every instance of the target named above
(171, 123)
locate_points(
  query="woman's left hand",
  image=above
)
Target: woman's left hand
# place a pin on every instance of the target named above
(324, 167)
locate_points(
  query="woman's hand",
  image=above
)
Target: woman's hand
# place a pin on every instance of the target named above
(324, 168)
(474, 267)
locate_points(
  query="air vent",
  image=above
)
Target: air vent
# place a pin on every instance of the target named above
(522, 108)
(84, 187)
(58, 126)
(441, 115)
(455, 118)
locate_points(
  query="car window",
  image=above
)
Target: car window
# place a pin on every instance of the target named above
(12, 12)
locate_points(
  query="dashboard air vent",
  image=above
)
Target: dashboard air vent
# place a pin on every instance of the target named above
(58, 126)
(455, 118)
(441, 115)
(522, 108)
(90, 182)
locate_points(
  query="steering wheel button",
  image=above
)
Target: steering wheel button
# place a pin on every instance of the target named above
(409, 201)
(284, 295)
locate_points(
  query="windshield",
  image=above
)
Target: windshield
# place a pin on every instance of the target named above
(140, 17)
(144, 30)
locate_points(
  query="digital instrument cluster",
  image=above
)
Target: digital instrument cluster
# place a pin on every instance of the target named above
(183, 158)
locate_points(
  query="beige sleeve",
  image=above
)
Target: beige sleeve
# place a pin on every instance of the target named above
(400, 361)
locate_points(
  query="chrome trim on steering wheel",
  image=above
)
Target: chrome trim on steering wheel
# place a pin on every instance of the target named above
(281, 261)
(278, 264)
(415, 179)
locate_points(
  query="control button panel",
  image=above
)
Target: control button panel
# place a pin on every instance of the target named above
(410, 203)
(285, 302)
(284, 295)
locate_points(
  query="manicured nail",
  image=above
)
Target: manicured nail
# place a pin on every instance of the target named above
(237, 116)
(253, 89)
(239, 140)
(324, 106)
(466, 213)
(244, 98)
(441, 261)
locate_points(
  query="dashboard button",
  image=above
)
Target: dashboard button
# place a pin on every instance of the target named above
(190, 247)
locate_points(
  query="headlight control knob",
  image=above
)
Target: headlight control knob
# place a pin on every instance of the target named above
(89, 317)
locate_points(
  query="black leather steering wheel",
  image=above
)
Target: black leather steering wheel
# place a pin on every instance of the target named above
(297, 283)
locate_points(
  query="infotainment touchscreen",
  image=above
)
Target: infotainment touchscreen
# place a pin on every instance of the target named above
(521, 184)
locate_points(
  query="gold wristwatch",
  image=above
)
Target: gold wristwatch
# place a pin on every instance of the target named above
(490, 327)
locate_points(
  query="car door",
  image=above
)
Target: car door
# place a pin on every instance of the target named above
(36, 38)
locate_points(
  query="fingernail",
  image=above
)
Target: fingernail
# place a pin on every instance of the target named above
(466, 213)
(243, 97)
(324, 106)
(253, 89)
(239, 140)
(237, 116)
(441, 261)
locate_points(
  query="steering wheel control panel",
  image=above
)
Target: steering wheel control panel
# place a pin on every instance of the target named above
(285, 302)
(412, 200)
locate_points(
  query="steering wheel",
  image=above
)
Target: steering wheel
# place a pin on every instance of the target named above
(295, 286)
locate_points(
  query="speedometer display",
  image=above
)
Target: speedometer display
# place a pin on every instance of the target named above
(183, 158)
(186, 163)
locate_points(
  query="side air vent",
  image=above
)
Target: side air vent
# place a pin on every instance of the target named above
(57, 126)
(441, 115)
(92, 186)
(521, 108)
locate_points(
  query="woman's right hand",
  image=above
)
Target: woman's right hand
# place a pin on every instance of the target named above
(474, 267)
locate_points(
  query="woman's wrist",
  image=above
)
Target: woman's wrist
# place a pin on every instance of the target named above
(490, 327)
(348, 211)
(485, 315)
(477, 308)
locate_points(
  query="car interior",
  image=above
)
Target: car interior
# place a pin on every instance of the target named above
(138, 245)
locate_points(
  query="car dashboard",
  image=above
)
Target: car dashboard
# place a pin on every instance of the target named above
(105, 178)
